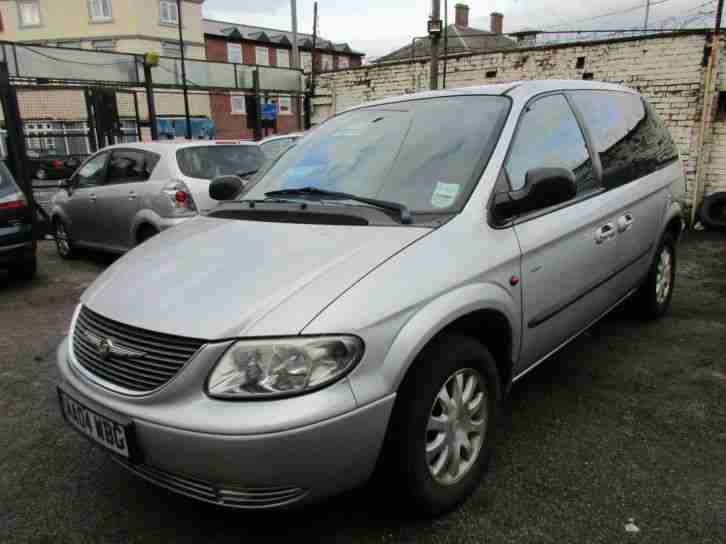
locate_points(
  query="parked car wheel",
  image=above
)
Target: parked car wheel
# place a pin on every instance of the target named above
(441, 430)
(63, 241)
(654, 295)
(713, 211)
(146, 232)
(40, 174)
(24, 271)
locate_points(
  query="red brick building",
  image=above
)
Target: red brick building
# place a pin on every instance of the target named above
(252, 45)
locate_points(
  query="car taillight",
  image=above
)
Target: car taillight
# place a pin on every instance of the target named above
(13, 201)
(57, 164)
(180, 197)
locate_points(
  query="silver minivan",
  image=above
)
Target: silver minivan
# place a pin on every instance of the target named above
(369, 299)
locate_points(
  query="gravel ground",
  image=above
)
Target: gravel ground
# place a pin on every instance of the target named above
(628, 422)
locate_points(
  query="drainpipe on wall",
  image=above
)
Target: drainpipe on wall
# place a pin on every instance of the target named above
(709, 97)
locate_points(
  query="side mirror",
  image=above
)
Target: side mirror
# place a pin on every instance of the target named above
(543, 187)
(225, 187)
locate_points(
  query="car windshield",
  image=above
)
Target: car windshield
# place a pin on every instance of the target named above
(208, 162)
(426, 154)
(7, 183)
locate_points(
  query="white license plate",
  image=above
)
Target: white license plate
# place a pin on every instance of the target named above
(98, 428)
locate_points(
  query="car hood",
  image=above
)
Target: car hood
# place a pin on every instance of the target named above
(219, 278)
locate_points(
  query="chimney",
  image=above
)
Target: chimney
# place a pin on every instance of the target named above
(462, 15)
(497, 23)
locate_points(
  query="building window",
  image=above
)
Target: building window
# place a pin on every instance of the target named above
(104, 45)
(306, 61)
(100, 10)
(262, 56)
(326, 62)
(237, 104)
(74, 44)
(234, 53)
(284, 105)
(29, 11)
(168, 13)
(170, 49)
(343, 63)
(283, 58)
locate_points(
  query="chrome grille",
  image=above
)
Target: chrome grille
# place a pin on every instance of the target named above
(139, 361)
(238, 497)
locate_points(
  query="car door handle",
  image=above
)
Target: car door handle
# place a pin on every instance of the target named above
(625, 222)
(132, 195)
(604, 232)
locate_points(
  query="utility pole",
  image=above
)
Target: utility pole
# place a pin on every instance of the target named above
(446, 39)
(647, 15)
(435, 36)
(312, 55)
(184, 70)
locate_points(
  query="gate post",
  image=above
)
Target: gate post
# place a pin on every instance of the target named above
(17, 152)
(150, 101)
(258, 116)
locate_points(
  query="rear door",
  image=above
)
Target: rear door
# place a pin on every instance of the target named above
(639, 162)
(81, 206)
(568, 250)
(119, 199)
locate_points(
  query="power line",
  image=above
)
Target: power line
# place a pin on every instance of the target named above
(611, 14)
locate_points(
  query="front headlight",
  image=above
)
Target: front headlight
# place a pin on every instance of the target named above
(282, 366)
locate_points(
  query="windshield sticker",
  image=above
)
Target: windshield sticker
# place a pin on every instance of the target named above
(444, 194)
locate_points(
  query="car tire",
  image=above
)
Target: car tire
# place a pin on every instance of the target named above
(426, 428)
(654, 296)
(24, 271)
(63, 242)
(40, 174)
(712, 212)
(146, 232)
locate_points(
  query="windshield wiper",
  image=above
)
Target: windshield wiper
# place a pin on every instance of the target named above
(403, 211)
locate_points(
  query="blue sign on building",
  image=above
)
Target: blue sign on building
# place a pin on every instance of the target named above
(269, 111)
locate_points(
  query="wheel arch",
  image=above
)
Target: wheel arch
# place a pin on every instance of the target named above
(485, 312)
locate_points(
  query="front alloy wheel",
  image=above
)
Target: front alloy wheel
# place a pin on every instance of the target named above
(457, 426)
(62, 240)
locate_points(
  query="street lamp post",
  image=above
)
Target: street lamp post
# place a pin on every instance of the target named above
(184, 70)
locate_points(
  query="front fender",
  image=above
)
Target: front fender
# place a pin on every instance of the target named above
(393, 345)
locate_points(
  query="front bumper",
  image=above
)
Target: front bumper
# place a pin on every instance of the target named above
(257, 470)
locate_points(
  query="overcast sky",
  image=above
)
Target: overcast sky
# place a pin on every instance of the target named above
(379, 26)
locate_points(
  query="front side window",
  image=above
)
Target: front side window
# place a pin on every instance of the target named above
(234, 53)
(100, 10)
(237, 104)
(628, 136)
(91, 174)
(549, 136)
(262, 56)
(128, 166)
(426, 154)
(168, 13)
(29, 12)
(283, 58)
(208, 162)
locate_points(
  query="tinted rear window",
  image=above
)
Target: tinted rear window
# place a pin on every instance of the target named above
(628, 135)
(208, 162)
(7, 183)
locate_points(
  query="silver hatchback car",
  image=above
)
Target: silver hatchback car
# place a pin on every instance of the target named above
(368, 301)
(125, 194)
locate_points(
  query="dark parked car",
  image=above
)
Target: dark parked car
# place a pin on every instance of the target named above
(17, 242)
(44, 166)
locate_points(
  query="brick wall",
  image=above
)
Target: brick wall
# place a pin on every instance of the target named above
(666, 69)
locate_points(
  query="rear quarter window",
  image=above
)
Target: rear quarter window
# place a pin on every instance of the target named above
(7, 183)
(629, 137)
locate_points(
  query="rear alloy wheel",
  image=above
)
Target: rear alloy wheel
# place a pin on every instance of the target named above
(441, 429)
(40, 174)
(654, 296)
(63, 243)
